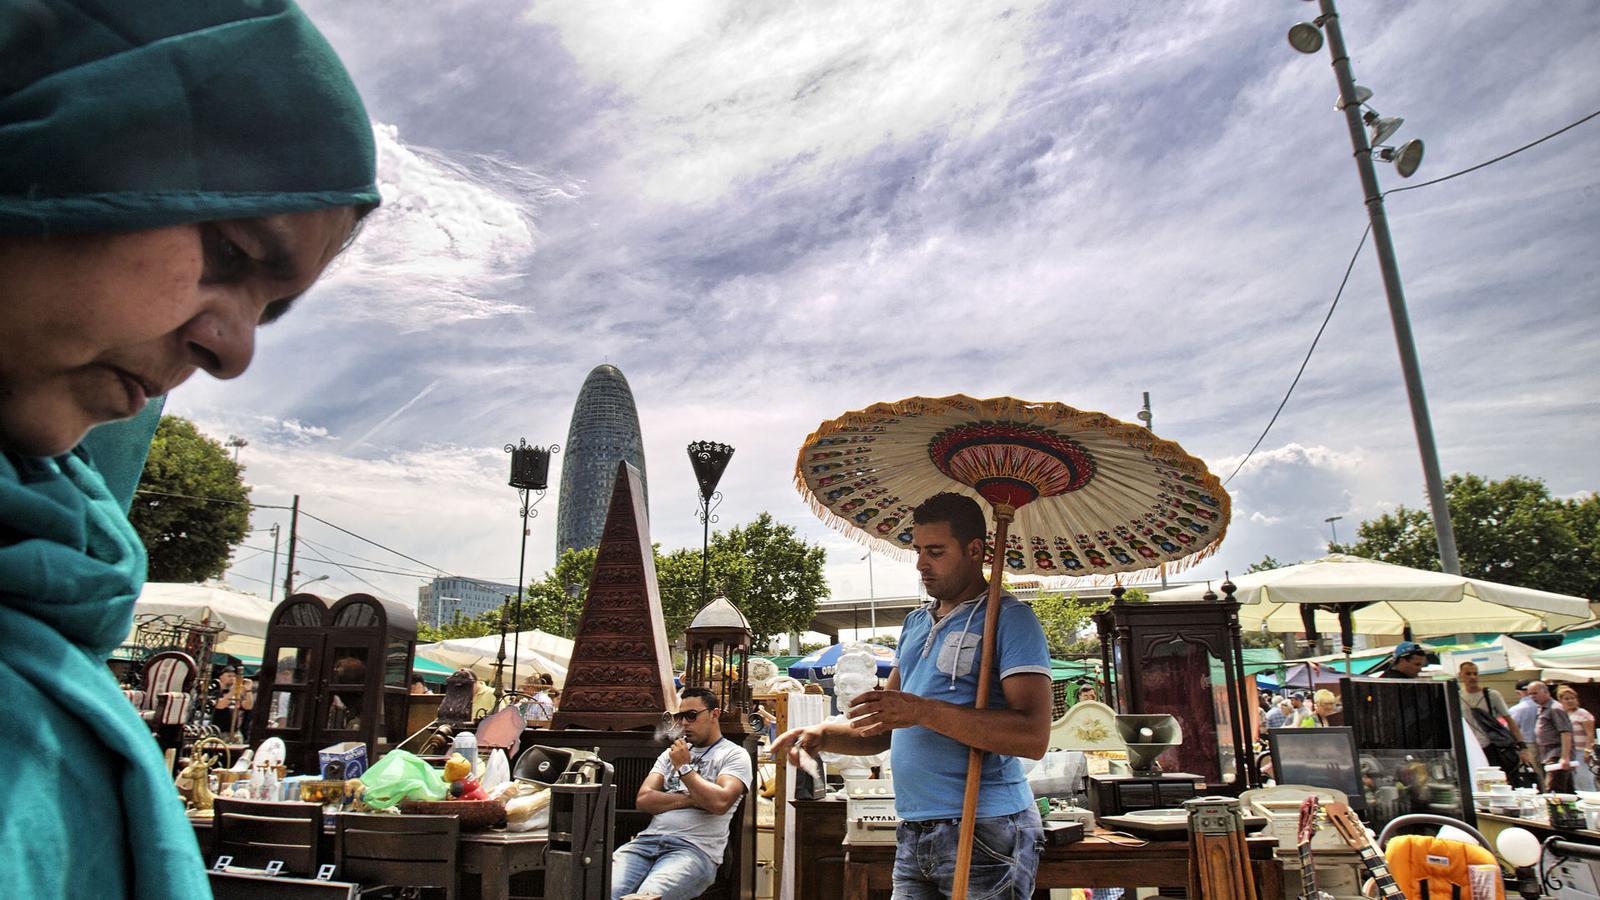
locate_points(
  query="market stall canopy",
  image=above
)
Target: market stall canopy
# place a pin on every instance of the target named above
(1395, 596)
(1584, 654)
(243, 615)
(541, 652)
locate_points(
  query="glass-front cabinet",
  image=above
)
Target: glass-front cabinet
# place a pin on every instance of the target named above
(335, 674)
(1185, 660)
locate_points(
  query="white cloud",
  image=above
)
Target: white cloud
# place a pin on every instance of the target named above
(722, 92)
(453, 234)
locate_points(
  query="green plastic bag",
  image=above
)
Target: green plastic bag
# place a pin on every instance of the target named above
(401, 776)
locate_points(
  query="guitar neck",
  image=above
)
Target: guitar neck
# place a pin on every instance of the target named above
(1375, 864)
(1308, 876)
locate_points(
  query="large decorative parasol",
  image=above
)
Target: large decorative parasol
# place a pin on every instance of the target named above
(1070, 493)
(1091, 495)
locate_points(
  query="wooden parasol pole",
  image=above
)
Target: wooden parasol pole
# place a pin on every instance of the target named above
(1003, 514)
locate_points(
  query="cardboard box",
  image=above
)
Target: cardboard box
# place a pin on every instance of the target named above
(353, 754)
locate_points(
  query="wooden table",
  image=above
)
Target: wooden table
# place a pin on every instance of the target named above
(1092, 862)
(492, 856)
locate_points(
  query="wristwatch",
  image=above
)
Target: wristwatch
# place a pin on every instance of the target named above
(684, 770)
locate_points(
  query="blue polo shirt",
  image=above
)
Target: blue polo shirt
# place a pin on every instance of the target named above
(940, 660)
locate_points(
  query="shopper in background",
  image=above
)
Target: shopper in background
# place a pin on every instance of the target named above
(1582, 737)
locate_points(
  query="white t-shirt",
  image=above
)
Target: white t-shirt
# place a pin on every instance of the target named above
(1488, 700)
(707, 832)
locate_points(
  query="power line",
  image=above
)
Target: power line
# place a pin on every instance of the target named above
(306, 540)
(1412, 187)
(349, 566)
(1331, 307)
(1351, 266)
(209, 499)
(375, 543)
(348, 572)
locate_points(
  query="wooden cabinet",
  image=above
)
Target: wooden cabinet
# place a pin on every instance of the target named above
(819, 849)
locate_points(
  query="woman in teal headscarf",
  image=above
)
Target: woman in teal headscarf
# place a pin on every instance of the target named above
(173, 174)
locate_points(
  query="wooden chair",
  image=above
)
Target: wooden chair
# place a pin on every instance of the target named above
(255, 833)
(240, 886)
(397, 851)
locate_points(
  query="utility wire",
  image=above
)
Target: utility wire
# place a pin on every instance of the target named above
(306, 540)
(1412, 187)
(376, 544)
(1287, 394)
(1351, 266)
(369, 584)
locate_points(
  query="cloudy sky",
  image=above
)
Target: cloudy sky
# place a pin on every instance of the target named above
(769, 213)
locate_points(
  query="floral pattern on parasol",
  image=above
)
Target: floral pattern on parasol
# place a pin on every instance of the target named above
(1126, 500)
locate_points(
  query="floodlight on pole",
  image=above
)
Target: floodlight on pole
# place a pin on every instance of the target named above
(1382, 127)
(1383, 243)
(1406, 158)
(1363, 94)
(1306, 36)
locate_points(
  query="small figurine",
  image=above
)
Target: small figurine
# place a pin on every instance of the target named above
(193, 783)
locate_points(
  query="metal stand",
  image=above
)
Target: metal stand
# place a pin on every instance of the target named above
(578, 858)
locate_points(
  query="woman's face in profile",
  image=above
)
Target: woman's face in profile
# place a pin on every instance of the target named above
(92, 326)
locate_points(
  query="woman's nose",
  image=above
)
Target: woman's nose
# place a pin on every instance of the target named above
(222, 338)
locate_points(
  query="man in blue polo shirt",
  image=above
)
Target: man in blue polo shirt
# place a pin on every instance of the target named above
(926, 718)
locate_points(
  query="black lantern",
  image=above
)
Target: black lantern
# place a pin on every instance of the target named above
(530, 466)
(530, 475)
(709, 460)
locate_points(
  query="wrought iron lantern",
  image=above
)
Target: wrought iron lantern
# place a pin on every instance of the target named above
(710, 460)
(530, 467)
(718, 645)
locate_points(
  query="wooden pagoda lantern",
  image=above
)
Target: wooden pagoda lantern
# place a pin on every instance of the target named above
(1185, 659)
(718, 646)
(336, 673)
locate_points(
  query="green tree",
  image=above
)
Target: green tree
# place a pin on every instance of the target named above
(786, 580)
(1510, 531)
(1064, 616)
(729, 574)
(189, 539)
(1267, 564)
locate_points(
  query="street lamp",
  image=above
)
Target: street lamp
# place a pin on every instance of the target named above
(1333, 530)
(872, 595)
(709, 460)
(302, 585)
(236, 442)
(530, 475)
(1406, 159)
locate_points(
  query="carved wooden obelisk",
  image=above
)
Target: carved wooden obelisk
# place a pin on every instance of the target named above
(620, 676)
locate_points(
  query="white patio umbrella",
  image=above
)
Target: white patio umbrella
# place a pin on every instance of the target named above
(541, 652)
(1384, 598)
(244, 616)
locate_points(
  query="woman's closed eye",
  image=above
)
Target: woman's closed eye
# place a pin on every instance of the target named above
(224, 259)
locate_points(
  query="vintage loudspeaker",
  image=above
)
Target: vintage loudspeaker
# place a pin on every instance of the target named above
(1147, 737)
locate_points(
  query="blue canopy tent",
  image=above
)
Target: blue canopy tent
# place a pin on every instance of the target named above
(819, 665)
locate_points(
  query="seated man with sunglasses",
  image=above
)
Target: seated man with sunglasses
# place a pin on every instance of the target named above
(692, 794)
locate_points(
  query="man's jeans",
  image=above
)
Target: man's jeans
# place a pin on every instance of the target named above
(1005, 857)
(661, 864)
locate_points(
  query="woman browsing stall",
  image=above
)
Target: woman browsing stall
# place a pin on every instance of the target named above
(176, 174)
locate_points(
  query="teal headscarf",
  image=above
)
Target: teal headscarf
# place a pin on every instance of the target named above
(118, 115)
(121, 115)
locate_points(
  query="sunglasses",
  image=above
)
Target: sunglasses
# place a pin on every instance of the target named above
(688, 715)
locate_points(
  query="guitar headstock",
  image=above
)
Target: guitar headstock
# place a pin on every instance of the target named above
(1348, 824)
(1310, 817)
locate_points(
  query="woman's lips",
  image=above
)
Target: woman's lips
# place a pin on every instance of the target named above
(138, 391)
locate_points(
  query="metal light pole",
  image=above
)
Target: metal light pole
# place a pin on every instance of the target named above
(1333, 530)
(709, 460)
(530, 475)
(1350, 102)
(272, 583)
(872, 594)
(1149, 423)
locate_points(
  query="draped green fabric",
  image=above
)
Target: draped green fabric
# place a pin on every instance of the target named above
(89, 810)
(118, 115)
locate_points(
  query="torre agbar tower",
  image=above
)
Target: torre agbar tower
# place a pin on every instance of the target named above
(604, 430)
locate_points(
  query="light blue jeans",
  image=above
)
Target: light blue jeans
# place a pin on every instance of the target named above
(661, 864)
(1005, 857)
